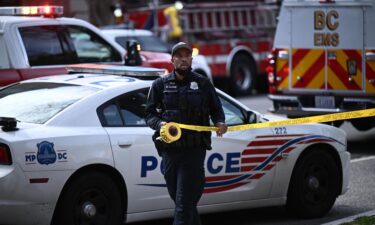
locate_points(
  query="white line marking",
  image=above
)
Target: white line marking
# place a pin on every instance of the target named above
(362, 159)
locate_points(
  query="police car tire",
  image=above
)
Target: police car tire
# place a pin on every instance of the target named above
(306, 201)
(93, 187)
(242, 63)
(363, 124)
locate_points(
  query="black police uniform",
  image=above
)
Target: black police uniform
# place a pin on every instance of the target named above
(191, 101)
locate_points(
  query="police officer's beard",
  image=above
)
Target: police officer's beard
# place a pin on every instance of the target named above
(183, 72)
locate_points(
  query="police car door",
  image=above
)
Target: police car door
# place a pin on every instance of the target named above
(237, 168)
(134, 152)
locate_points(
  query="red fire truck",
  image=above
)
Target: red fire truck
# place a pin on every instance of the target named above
(235, 37)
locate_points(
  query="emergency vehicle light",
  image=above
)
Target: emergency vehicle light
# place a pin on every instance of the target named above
(8, 123)
(132, 71)
(47, 11)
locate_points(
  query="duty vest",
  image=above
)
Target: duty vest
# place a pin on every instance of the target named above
(187, 102)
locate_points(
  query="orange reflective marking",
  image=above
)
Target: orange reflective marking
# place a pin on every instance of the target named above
(310, 69)
(312, 78)
(370, 75)
(338, 71)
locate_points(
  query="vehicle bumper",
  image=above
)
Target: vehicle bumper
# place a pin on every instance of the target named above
(345, 160)
(298, 106)
(17, 199)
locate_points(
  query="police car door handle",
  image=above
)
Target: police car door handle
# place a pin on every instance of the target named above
(124, 144)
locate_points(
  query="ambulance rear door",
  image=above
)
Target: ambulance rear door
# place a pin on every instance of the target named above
(327, 41)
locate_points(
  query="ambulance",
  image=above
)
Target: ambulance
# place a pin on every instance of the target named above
(323, 59)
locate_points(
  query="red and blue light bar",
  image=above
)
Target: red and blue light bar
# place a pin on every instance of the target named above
(47, 11)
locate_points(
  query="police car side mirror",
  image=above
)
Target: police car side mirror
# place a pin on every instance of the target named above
(251, 117)
(133, 57)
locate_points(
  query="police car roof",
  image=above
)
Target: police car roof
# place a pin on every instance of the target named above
(133, 71)
(101, 81)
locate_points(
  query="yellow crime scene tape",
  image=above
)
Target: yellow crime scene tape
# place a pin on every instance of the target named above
(172, 131)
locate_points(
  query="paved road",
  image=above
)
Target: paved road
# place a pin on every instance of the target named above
(360, 197)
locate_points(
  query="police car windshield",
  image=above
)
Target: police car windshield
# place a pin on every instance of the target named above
(38, 102)
(148, 43)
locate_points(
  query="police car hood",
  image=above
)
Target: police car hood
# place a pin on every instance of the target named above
(269, 118)
(312, 128)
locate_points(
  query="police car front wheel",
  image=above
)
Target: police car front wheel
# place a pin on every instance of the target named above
(314, 186)
(91, 198)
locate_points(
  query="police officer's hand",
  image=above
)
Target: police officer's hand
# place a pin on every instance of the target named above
(162, 123)
(222, 129)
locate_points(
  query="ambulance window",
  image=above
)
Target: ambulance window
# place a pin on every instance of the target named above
(4, 61)
(42, 45)
(91, 48)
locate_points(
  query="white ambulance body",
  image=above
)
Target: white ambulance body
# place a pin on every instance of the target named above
(324, 58)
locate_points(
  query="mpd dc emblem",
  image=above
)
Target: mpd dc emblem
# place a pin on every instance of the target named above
(46, 154)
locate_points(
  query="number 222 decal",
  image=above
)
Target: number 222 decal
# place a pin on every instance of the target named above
(280, 130)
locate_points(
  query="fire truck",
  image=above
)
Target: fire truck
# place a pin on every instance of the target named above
(235, 37)
(324, 59)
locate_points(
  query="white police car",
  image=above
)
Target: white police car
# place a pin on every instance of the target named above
(75, 149)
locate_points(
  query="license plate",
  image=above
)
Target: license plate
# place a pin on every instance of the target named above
(326, 102)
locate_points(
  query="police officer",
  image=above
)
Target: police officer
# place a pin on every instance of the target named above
(189, 98)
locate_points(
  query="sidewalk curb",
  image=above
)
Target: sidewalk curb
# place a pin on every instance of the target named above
(350, 218)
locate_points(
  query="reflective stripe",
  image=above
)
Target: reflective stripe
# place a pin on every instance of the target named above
(370, 73)
(339, 77)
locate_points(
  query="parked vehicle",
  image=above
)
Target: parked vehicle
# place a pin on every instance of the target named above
(235, 37)
(331, 67)
(76, 148)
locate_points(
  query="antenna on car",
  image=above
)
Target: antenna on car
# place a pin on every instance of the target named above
(8, 124)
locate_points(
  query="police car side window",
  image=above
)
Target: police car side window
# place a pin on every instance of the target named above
(92, 48)
(127, 110)
(233, 114)
(112, 116)
(132, 107)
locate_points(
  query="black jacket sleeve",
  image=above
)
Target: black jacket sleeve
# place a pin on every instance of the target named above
(154, 104)
(215, 107)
